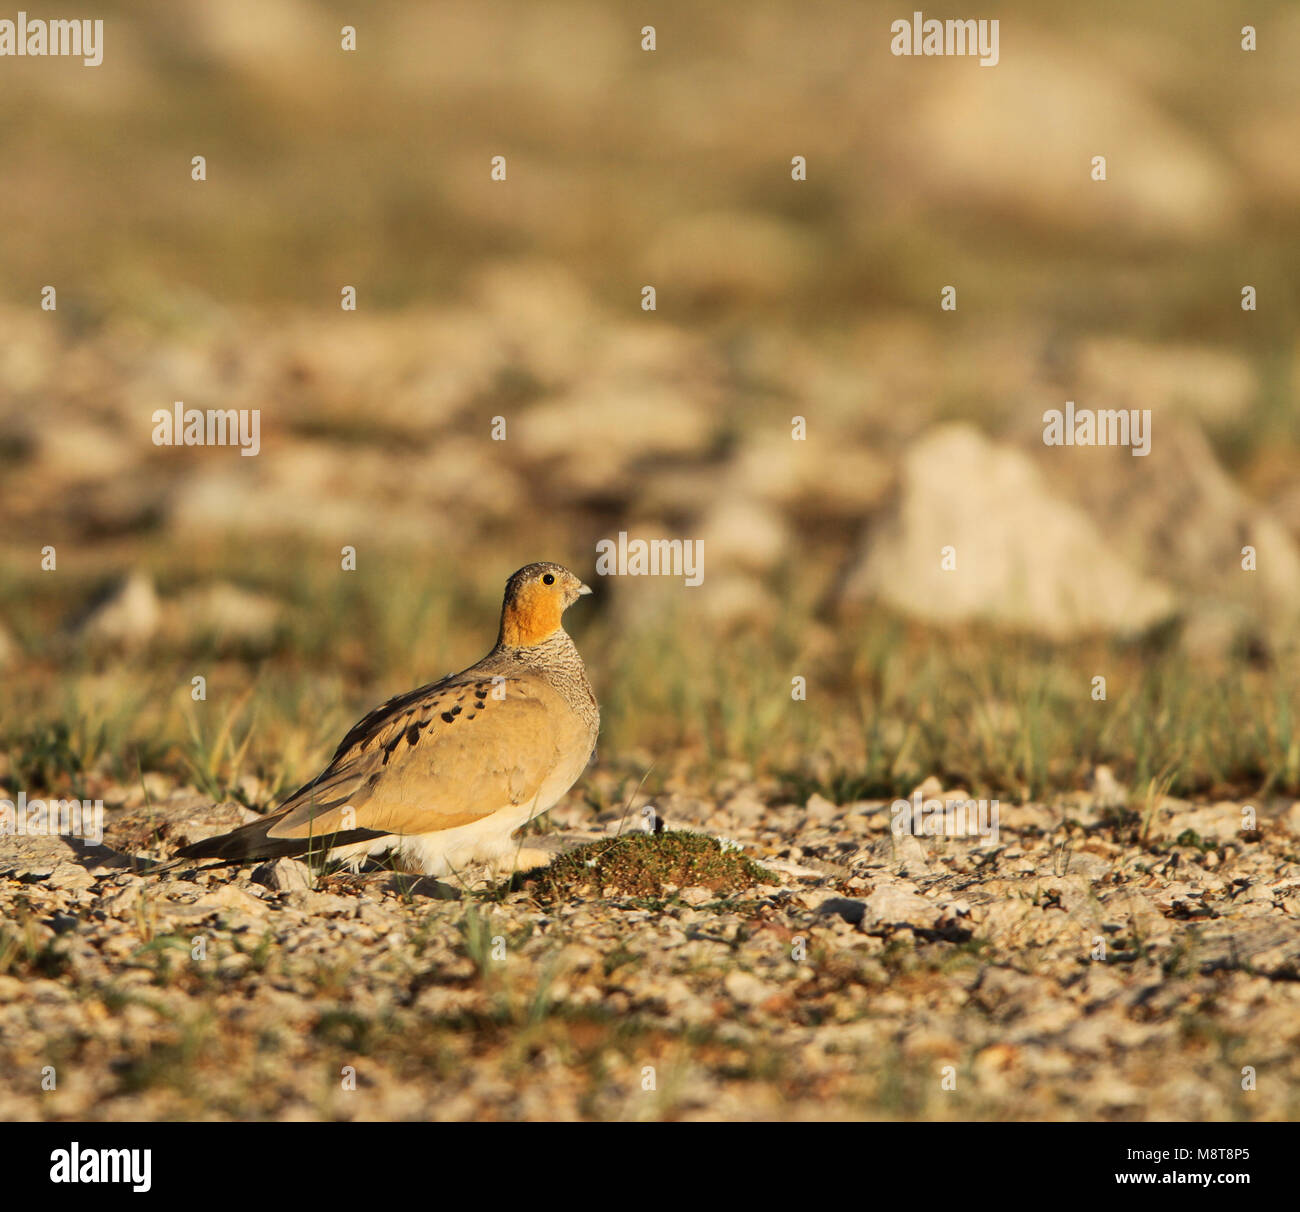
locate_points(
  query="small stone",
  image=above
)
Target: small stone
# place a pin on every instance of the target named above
(285, 875)
(1106, 790)
(820, 809)
(901, 903)
(746, 989)
(127, 615)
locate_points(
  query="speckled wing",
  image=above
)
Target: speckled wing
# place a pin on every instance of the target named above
(441, 756)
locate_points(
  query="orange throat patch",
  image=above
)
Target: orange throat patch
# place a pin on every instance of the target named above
(531, 617)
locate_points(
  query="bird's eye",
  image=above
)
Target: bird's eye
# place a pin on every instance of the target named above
(548, 579)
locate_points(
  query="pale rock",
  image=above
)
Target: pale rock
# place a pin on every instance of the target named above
(227, 897)
(746, 989)
(1134, 913)
(901, 903)
(127, 616)
(224, 611)
(1212, 386)
(1106, 790)
(325, 904)
(285, 875)
(1020, 552)
(591, 438)
(1220, 822)
(69, 877)
(745, 534)
(84, 451)
(929, 788)
(299, 496)
(736, 599)
(816, 477)
(910, 857)
(820, 809)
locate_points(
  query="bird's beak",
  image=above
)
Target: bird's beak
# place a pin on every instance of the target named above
(583, 589)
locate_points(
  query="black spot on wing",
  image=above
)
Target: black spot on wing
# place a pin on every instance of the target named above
(367, 729)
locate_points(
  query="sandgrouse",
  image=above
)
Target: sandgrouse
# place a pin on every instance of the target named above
(444, 774)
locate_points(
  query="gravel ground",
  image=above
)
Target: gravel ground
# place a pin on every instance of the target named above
(1067, 970)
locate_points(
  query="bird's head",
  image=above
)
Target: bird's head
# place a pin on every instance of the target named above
(536, 598)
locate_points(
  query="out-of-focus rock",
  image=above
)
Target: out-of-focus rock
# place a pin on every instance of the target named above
(590, 441)
(404, 376)
(1222, 822)
(745, 535)
(746, 989)
(127, 615)
(1107, 791)
(900, 902)
(1054, 111)
(81, 450)
(819, 477)
(222, 611)
(280, 58)
(1021, 557)
(1212, 631)
(734, 598)
(1212, 386)
(540, 317)
(469, 476)
(284, 875)
(299, 495)
(189, 817)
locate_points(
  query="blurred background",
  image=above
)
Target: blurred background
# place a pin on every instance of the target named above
(775, 299)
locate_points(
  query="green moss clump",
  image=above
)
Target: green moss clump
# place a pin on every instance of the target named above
(649, 865)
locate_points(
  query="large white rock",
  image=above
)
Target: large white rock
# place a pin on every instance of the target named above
(1024, 559)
